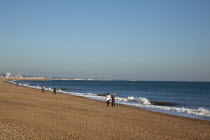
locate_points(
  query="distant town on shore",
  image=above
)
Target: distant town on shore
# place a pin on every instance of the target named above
(9, 75)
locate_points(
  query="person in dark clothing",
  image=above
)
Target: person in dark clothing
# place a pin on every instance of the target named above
(113, 100)
(55, 91)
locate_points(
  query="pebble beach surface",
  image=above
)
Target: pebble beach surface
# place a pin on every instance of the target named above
(29, 114)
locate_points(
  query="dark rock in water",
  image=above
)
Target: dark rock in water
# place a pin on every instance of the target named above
(163, 103)
(63, 88)
(101, 94)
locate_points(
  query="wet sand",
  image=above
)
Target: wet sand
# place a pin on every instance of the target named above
(29, 114)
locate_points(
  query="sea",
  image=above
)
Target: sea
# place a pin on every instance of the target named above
(188, 99)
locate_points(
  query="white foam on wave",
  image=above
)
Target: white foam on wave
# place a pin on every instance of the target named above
(199, 111)
(138, 102)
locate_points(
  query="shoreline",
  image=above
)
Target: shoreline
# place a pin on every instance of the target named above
(157, 106)
(28, 114)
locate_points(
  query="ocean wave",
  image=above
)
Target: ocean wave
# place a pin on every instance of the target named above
(140, 100)
(199, 111)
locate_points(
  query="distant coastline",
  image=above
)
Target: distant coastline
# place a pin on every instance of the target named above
(11, 76)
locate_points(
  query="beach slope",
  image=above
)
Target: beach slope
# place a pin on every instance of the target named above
(29, 114)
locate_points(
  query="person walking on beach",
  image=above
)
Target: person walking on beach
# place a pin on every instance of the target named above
(42, 91)
(17, 84)
(54, 91)
(108, 98)
(113, 100)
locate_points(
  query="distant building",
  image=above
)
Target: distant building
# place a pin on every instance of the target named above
(8, 75)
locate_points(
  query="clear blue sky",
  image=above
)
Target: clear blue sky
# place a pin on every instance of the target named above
(110, 39)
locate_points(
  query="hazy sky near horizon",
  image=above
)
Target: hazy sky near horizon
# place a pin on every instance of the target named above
(109, 39)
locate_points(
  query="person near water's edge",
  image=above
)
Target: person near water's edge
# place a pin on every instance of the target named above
(113, 100)
(55, 91)
(42, 91)
(108, 98)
